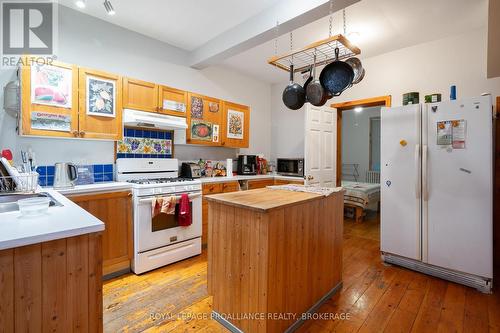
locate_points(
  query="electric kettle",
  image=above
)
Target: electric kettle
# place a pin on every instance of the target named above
(65, 175)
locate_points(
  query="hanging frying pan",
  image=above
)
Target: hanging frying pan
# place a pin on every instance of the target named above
(358, 80)
(336, 76)
(315, 92)
(357, 67)
(309, 79)
(294, 95)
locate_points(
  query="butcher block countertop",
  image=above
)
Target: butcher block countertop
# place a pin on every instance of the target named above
(263, 199)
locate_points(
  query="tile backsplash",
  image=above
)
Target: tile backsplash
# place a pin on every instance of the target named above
(101, 173)
(141, 143)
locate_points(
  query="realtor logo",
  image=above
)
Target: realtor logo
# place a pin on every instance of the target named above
(28, 28)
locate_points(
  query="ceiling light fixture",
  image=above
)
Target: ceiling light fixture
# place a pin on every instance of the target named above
(109, 8)
(358, 109)
(81, 3)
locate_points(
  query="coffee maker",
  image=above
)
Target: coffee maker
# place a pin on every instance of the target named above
(247, 165)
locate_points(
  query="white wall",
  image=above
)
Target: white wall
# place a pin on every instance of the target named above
(427, 68)
(287, 127)
(88, 41)
(356, 139)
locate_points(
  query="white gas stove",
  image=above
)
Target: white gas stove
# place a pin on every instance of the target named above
(160, 240)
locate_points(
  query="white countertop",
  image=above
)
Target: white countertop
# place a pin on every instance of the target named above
(60, 222)
(96, 188)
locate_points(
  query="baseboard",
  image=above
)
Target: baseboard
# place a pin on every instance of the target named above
(232, 328)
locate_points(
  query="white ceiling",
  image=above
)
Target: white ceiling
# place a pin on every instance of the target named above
(186, 24)
(384, 25)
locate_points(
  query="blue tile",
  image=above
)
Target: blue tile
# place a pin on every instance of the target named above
(98, 168)
(120, 155)
(107, 177)
(129, 132)
(154, 134)
(98, 177)
(108, 168)
(168, 135)
(146, 134)
(161, 135)
(139, 133)
(50, 180)
(128, 155)
(42, 170)
(50, 170)
(42, 181)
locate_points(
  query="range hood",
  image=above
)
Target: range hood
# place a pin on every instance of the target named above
(134, 118)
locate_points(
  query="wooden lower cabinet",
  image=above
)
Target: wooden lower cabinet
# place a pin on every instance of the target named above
(260, 183)
(115, 210)
(213, 188)
(286, 182)
(54, 286)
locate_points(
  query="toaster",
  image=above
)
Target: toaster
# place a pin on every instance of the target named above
(190, 170)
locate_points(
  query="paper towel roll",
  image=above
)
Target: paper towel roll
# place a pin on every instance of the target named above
(229, 167)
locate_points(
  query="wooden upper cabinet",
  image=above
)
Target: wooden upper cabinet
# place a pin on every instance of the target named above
(49, 100)
(172, 101)
(100, 105)
(140, 95)
(236, 125)
(204, 119)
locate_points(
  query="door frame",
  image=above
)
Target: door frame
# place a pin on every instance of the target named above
(366, 102)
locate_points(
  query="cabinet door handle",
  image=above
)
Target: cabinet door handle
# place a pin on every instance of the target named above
(82, 133)
(75, 133)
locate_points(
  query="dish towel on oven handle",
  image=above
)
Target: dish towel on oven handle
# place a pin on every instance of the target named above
(184, 212)
(165, 205)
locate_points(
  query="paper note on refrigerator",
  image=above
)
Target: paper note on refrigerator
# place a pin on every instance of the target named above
(444, 135)
(458, 133)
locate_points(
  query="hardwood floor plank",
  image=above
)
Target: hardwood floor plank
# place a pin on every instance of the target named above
(375, 296)
(452, 312)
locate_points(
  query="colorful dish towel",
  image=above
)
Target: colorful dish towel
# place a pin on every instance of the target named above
(184, 211)
(165, 205)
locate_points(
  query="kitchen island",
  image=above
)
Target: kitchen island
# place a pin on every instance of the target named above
(273, 257)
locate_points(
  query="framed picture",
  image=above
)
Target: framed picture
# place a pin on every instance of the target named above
(50, 121)
(101, 96)
(196, 107)
(51, 85)
(201, 130)
(235, 124)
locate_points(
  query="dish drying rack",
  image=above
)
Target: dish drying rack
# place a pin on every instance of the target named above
(22, 183)
(302, 59)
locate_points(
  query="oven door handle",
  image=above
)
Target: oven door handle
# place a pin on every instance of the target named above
(191, 196)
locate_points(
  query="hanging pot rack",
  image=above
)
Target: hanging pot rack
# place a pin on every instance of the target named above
(303, 58)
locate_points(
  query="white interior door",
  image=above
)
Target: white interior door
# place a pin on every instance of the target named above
(458, 190)
(400, 181)
(320, 146)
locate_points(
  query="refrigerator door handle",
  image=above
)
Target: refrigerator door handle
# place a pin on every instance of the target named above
(425, 188)
(418, 179)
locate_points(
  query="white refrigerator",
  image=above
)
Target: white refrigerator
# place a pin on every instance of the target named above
(437, 189)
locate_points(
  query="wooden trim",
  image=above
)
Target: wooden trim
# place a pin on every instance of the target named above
(366, 102)
(496, 193)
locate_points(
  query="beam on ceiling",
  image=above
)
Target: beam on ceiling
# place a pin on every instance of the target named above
(291, 14)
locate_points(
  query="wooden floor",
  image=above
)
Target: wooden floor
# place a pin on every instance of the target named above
(377, 298)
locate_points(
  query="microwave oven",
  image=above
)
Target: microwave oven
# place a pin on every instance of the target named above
(290, 167)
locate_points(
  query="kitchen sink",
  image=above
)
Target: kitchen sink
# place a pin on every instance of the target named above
(8, 202)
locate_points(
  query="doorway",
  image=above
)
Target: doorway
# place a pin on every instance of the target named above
(358, 162)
